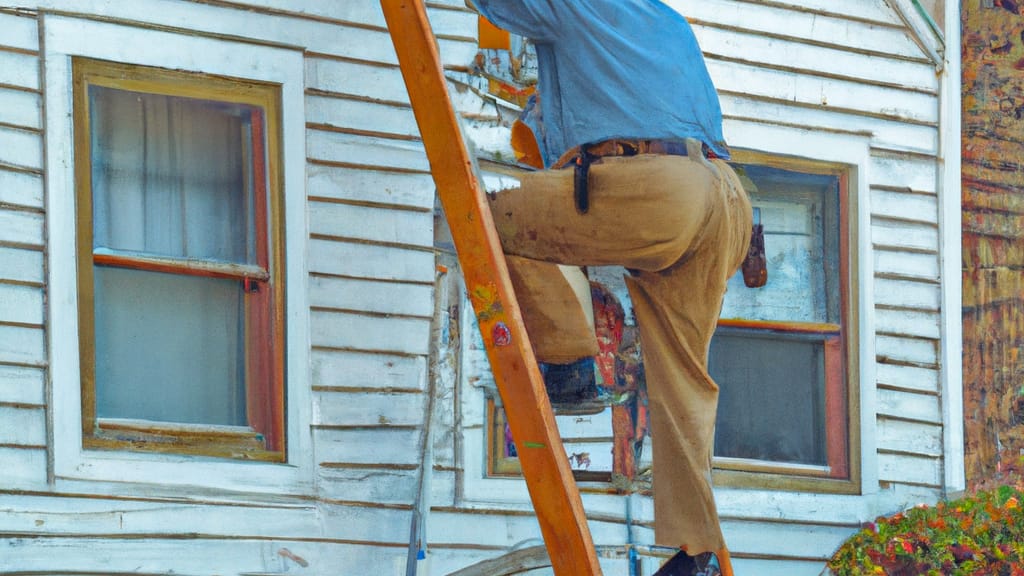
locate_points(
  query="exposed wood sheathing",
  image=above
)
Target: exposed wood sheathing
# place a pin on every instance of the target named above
(993, 234)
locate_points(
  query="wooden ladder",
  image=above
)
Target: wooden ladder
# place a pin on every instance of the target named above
(545, 466)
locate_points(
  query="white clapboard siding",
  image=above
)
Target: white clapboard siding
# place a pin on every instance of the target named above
(356, 41)
(781, 20)
(839, 67)
(21, 227)
(910, 437)
(904, 171)
(907, 293)
(20, 32)
(911, 236)
(352, 331)
(358, 114)
(919, 323)
(846, 94)
(19, 188)
(905, 205)
(368, 261)
(367, 151)
(21, 304)
(866, 10)
(21, 265)
(414, 190)
(901, 349)
(372, 224)
(21, 385)
(21, 147)
(22, 345)
(159, 554)
(909, 405)
(363, 79)
(23, 467)
(370, 446)
(20, 108)
(897, 264)
(787, 53)
(398, 298)
(364, 484)
(69, 515)
(22, 425)
(368, 409)
(901, 468)
(891, 133)
(19, 70)
(350, 369)
(907, 377)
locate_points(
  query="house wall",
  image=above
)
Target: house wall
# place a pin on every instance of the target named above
(992, 209)
(823, 80)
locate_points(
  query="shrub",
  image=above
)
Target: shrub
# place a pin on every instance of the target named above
(979, 535)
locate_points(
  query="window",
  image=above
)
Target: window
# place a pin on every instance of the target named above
(180, 261)
(780, 351)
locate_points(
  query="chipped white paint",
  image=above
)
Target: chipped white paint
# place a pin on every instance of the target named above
(837, 81)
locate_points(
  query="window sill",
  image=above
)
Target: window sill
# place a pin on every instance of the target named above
(231, 442)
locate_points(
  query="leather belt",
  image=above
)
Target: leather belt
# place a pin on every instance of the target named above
(581, 157)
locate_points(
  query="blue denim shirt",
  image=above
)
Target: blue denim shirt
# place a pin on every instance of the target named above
(614, 69)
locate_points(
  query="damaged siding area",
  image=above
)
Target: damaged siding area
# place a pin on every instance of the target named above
(22, 335)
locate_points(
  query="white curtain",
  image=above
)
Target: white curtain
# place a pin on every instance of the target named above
(170, 177)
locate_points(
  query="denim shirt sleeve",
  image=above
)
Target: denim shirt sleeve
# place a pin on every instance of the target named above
(535, 19)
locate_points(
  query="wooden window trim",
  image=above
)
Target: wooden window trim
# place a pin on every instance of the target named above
(264, 303)
(842, 393)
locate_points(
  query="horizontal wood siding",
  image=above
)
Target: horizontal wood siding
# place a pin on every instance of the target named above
(23, 436)
(818, 65)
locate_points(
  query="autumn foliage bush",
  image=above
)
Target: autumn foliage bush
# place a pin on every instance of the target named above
(979, 535)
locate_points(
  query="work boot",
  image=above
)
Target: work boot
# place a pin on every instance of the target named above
(682, 564)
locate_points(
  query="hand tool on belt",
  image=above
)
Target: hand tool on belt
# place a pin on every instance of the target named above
(581, 157)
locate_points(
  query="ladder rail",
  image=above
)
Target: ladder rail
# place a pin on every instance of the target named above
(545, 467)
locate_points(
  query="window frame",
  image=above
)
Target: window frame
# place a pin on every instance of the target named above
(68, 36)
(842, 474)
(264, 310)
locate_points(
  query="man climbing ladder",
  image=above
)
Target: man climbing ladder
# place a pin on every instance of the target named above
(631, 133)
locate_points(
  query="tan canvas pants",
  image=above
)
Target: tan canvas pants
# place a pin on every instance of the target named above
(682, 226)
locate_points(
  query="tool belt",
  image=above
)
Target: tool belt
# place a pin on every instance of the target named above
(581, 157)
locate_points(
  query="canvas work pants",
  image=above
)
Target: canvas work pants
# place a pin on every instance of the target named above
(682, 227)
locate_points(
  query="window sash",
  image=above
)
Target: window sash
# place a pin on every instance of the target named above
(836, 412)
(262, 280)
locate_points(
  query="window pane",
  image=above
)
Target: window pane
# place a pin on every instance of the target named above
(169, 348)
(772, 399)
(800, 214)
(171, 176)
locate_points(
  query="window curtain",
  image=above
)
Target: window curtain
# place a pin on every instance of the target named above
(170, 177)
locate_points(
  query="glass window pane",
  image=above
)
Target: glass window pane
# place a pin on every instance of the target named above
(800, 214)
(169, 348)
(171, 176)
(772, 399)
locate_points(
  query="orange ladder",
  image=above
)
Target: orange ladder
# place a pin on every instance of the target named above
(545, 466)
